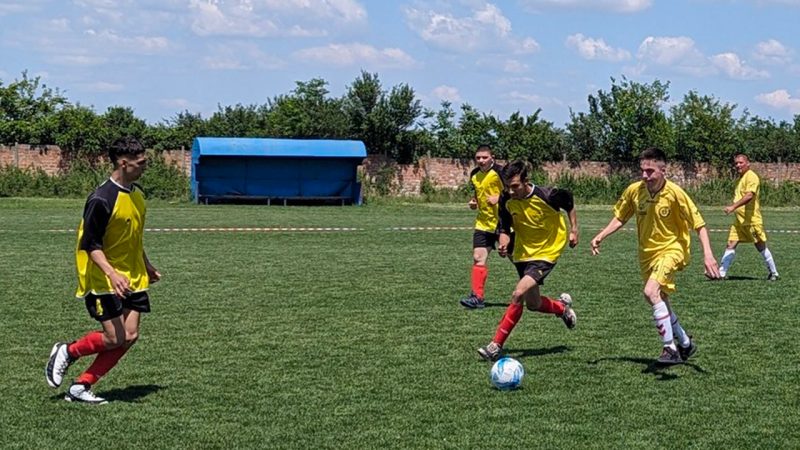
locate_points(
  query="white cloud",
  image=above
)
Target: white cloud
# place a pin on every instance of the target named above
(780, 99)
(486, 30)
(617, 6)
(773, 52)
(136, 44)
(232, 56)
(178, 103)
(521, 98)
(514, 66)
(262, 18)
(357, 54)
(507, 81)
(731, 65)
(78, 60)
(102, 86)
(446, 93)
(677, 53)
(590, 48)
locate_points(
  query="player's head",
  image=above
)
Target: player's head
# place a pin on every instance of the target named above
(484, 156)
(742, 163)
(653, 164)
(128, 155)
(515, 178)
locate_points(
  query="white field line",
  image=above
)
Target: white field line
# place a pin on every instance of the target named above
(330, 229)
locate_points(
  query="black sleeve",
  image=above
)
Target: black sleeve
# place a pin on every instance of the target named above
(472, 187)
(505, 217)
(96, 215)
(559, 198)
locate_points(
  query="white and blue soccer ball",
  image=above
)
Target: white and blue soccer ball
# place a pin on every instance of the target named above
(507, 374)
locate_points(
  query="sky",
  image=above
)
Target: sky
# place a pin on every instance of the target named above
(163, 57)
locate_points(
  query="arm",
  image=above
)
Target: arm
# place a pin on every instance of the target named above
(614, 225)
(152, 272)
(573, 227)
(742, 201)
(711, 269)
(119, 283)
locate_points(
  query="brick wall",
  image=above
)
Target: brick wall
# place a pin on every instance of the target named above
(407, 178)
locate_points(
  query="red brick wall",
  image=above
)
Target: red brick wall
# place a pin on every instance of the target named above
(407, 178)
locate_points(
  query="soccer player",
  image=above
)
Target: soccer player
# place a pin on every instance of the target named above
(541, 234)
(664, 217)
(485, 180)
(113, 273)
(747, 223)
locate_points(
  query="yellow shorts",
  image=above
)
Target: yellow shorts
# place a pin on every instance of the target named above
(747, 233)
(663, 269)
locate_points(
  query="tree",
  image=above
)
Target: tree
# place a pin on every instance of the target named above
(27, 107)
(705, 130)
(307, 113)
(79, 132)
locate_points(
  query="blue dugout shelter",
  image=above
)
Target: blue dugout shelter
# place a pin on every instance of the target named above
(229, 169)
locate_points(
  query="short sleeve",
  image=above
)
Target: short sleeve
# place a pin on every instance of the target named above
(624, 208)
(96, 216)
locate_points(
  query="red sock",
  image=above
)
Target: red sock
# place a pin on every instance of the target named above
(88, 345)
(510, 319)
(479, 274)
(104, 362)
(550, 306)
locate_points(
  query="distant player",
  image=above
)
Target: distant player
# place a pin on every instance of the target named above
(113, 273)
(488, 186)
(748, 225)
(665, 215)
(535, 213)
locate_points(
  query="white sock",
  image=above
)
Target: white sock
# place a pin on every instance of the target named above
(726, 261)
(661, 318)
(678, 331)
(768, 261)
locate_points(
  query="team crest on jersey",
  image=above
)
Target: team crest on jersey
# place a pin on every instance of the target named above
(664, 211)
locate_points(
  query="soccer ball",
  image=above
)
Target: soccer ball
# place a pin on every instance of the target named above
(507, 373)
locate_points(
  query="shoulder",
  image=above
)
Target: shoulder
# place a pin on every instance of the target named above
(474, 172)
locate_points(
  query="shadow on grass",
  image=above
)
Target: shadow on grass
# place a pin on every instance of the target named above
(131, 394)
(525, 352)
(740, 278)
(661, 372)
(495, 305)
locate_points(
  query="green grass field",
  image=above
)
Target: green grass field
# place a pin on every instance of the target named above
(355, 339)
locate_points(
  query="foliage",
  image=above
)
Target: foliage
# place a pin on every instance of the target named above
(705, 130)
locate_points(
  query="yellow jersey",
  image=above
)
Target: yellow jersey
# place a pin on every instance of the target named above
(113, 221)
(487, 184)
(750, 213)
(663, 221)
(539, 226)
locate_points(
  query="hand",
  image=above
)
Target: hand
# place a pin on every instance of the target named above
(493, 199)
(573, 238)
(712, 270)
(120, 284)
(728, 210)
(502, 247)
(595, 244)
(473, 203)
(154, 274)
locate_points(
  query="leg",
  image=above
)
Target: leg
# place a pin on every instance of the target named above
(727, 257)
(109, 358)
(479, 270)
(686, 345)
(513, 313)
(761, 246)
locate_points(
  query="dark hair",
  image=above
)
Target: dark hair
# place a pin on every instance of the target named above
(484, 148)
(654, 154)
(742, 155)
(513, 169)
(124, 146)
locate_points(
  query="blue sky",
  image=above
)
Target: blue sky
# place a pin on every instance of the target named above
(161, 57)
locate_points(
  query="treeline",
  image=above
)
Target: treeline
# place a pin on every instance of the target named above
(616, 125)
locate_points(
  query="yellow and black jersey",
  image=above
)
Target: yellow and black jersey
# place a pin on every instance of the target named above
(750, 213)
(487, 184)
(113, 221)
(663, 221)
(539, 224)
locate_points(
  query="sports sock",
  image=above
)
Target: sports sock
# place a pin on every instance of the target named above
(726, 261)
(678, 331)
(479, 274)
(550, 306)
(768, 261)
(88, 345)
(510, 319)
(661, 319)
(103, 362)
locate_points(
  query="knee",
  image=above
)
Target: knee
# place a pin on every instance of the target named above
(652, 295)
(131, 338)
(113, 340)
(517, 296)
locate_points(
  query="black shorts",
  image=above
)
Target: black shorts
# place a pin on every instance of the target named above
(484, 239)
(108, 306)
(538, 270)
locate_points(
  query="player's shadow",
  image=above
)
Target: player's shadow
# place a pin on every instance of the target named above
(495, 304)
(740, 278)
(526, 352)
(131, 394)
(660, 372)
